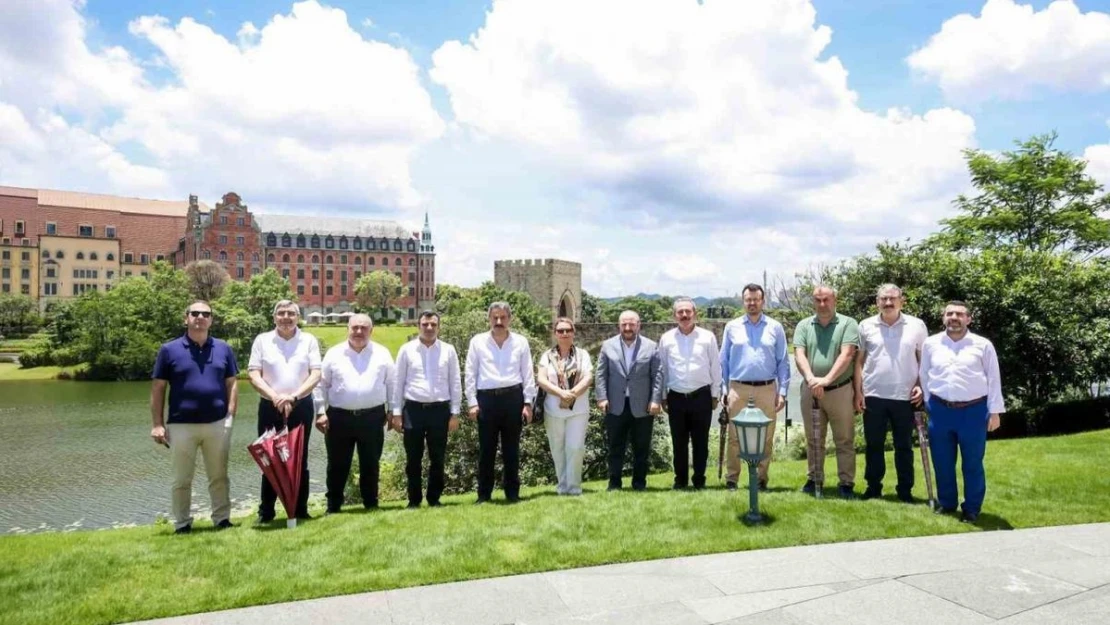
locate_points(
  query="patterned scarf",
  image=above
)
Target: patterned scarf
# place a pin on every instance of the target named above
(565, 368)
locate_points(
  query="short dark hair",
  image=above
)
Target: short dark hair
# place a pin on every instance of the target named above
(427, 314)
(957, 302)
(752, 287)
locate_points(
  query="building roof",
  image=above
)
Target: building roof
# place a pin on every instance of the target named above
(98, 201)
(335, 226)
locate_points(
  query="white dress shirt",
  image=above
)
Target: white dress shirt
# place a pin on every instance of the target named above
(284, 364)
(691, 361)
(489, 366)
(629, 351)
(961, 370)
(355, 380)
(427, 374)
(890, 368)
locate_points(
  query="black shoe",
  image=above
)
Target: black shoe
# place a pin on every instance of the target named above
(872, 493)
(225, 524)
(264, 519)
(512, 498)
(434, 504)
(940, 510)
(679, 487)
(371, 506)
(905, 497)
(304, 516)
(413, 505)
(730, 485)
(640, 488)
(809, 487)
(969, 517)
(331, 511)
(699, 486)
(846, 491)
(763, 486)
(481, 500)
(184, 529)
(613, 487)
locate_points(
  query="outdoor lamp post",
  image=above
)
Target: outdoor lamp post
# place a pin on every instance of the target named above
(751, 426)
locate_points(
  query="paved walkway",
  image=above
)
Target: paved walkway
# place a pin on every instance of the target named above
(1035, 576)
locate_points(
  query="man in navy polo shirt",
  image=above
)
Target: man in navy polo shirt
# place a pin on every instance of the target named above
(200, 372)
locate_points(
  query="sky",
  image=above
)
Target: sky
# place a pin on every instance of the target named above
(670, 146)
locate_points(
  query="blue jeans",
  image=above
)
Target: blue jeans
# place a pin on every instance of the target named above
(966, 429)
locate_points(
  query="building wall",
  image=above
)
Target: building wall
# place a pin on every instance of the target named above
(84, 264)
(19, 269)
(231, 238)
(549, 282)
(312, 289)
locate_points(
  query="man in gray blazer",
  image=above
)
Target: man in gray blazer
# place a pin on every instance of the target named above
(628, 385)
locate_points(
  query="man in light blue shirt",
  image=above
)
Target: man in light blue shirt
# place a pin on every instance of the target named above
(753, 360)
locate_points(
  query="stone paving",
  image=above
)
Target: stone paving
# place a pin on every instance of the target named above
(1019, 577)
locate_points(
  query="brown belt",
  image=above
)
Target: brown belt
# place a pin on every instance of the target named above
(755, 383)
(836, 386)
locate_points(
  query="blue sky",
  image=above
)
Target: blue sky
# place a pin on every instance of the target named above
(670, 146)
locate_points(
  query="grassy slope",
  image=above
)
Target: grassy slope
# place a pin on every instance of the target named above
(119, 575)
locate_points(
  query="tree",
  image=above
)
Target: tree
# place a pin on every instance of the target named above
(647, 309)
(207, 279)
(17, 314)
(378, 289)
(245, 309)
(592, 308)
(1035, 197)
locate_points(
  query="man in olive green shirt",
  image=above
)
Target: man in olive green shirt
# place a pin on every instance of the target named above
(824, 347)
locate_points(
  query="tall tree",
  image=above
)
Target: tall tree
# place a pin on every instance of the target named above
(246, 308)
(17, 313)
(1036, 197)
(378, 289)
(593, 308)
(207, 279)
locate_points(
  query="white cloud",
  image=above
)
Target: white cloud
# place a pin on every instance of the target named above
(1012, 51)
(302, 111)
(1098, 164)
(695, 118)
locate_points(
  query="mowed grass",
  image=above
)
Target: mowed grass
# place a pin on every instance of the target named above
(10, 371)
(393, 337)
(129, 574)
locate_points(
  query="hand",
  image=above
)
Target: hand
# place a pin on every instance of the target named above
(472, 413)
(818, 392)
(916, 396)
(654, 409)
(993, 422)
(526, 412)
(603, 405)
(322, 422)
(158, 433)
(567, 396)
(397, 423)
(780, 403)
(859, 402)
(663, 405)
(453, 423)
(815, 382)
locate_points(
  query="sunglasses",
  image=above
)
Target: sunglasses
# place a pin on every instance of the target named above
(564, 331)
(200, 313)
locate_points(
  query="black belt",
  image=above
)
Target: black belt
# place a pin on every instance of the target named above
(756, 383)
(361, 411)
(504, 390)
(689, 394)
(960, 404)
(833, 387)
(426, 404)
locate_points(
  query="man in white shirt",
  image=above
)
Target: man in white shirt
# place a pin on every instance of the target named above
(428, 396)
(500, 387)
(887, 389)
(691, 366)
(352, 399)
(963, 389)
(284, 367)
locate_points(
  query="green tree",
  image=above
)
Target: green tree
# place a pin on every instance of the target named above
(18, 314)
(378, 290)
(592, 309)
(245, 309)
(1035, 197)
(647, 309)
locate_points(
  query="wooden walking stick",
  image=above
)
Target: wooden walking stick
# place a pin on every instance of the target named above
(817, 448)
(723, 419)
(923, 443)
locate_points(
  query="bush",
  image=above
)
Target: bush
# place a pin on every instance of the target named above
(1069, 417)
(38, 355)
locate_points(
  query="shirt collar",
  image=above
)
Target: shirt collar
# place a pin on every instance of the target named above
(188, 342)
(899, 321)
(420, 344)
(296, 334)
(748, 320)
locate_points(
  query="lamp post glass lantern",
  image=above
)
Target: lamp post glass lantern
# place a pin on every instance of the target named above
(751, 428)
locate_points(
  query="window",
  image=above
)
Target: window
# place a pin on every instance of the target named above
(255, 271)
(160, 257)
(144, 274)
(300, 258)
(385, 261)
(19, 229)
(300, 289)
(358, 260)
(80, 256)
(110, 274)
(51, 228)
(127, 274)
(412, 276)
(254, 257)
(271, 240)
(412, 262)
(370, 261)
(129, 258)
(342, 259)
(371, 245)
(396, 262)
(92, 273)
(77, 273)
(343, 290)
(223, 256)
(343, 276)
(93, 256)
(51, 272)
(383, 245)
(315, 289)
(286, 240)
(328, 260)
(6, 288)
(144, 259)
(239, 272)
(329, 242)
(284, 258)
(6, 273)
(25, 289)
(358, 243)
(50, 289)
(358, 274)
(328, 290)
(300, 274)
(270, 258)
(412, 313)
(397, 245)
(412, 291)
(110, 232)
(110, 256)
(207, 255)
(240, 241)
(223, 239)
(315, 241)
(342, 243)
(60, 255)
(26, 256)
(46, 253)
(412, 248)
(240, 221)
(223, 220)
(84, 231)
(315, 274)
(239, 256)
(329, 275)
(315, 259)
(300, 240)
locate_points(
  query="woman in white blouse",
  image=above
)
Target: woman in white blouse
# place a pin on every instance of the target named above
(565, 373)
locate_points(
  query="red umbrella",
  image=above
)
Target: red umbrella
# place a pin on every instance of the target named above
(817, 449)
(279, 455)
(294, 463)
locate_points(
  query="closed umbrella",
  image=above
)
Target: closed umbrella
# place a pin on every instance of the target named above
(280, 455)
(817, 451)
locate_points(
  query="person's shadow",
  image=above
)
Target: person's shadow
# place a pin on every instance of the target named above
(992, 522)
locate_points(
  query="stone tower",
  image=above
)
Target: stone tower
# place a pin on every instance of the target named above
(553, 284)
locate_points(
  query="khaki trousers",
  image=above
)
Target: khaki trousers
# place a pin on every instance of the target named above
(839, 413)
(213, 439)
(765, 397)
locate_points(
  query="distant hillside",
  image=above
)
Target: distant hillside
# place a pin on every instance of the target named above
(700, 300)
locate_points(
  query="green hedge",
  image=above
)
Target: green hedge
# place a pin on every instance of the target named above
(1068, 417)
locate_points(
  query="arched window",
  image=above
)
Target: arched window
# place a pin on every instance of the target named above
(300, 240)
(286, 240)
(383, 244)
(254, 257)
(329, 242)
(371, 244)
(328, 260)
(270, 258)
(284, 258)
(271, 240)
(93, 256)
(315, 259)
(397, 262)
(357, 243)
(315, 241)
(223, 255)
(60, 254)
(46, 253)
(80, 256)
(300, 258)
(385, 261)
(358, 260)
(412, 262)
(370, 261)
(412, 246)
(239, 256)
(397, 246)
(342, 243)
(111, 256)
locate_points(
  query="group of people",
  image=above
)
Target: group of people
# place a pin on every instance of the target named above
(883, 366)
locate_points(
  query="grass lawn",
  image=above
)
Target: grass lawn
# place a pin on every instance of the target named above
(393, 337)
(139, 573)
(10, 371)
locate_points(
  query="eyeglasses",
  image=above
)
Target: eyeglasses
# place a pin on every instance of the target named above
(200, 313)
(564, 331)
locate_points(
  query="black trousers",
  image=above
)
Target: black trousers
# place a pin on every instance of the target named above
(499, 419)
(878, 413)
(425, 424)
(618, 429)
(269, 417)
(348, 430)
(690, 416)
